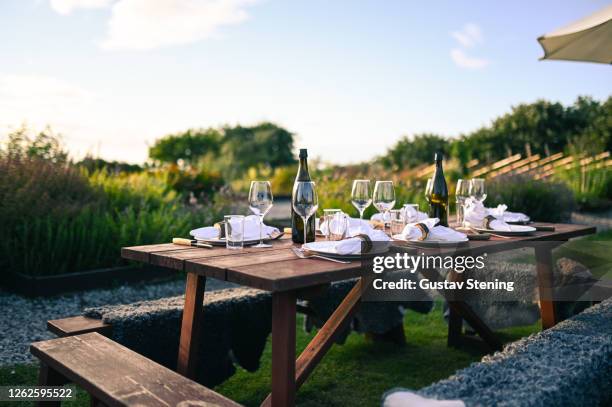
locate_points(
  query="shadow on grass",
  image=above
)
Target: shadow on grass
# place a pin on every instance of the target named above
(356, 373)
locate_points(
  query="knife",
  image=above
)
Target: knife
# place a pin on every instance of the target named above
(189, 242)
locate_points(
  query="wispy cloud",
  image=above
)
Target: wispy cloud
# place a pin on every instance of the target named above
(461, 59)
(68, 6)
(146, 24)
(469, 36)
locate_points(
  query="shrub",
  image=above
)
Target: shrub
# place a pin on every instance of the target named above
(592, 187)
(544, 201)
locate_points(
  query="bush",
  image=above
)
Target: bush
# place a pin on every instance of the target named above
(58, 218)
(592, 187)
(543, 201)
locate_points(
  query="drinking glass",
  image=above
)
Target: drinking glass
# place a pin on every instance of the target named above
(260, 202)
(411, 213)
(477, 189)
(397, 221)
(234, 231)
(361, 196)
(428, 189)
(328, 217)
(462, 192)
(384, 198)
(337, 224)
(304, 201)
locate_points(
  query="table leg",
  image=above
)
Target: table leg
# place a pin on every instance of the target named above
(283, 350)
(322, 341)
(544, 269)
(191, 325)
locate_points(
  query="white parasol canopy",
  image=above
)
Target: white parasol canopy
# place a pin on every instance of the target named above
(588, 39)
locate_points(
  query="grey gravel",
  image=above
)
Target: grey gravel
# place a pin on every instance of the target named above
(24, 320)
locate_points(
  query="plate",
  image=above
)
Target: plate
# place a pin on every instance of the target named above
(221, 241)
(515, 230)
(330, 252)
(431, 243)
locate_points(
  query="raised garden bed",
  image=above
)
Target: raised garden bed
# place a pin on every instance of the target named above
(44, 286)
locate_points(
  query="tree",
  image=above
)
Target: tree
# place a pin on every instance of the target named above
(187, 146)
(412, 151)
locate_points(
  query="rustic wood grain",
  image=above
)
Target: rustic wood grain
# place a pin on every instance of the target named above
(544, 268)
(78, 325)
(116, 376)
(191, 325)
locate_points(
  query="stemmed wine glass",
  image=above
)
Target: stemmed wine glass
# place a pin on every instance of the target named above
(477, 189)
(462, 192)
(361, 196)
(260, 202)
(384, 198)
(305, 201)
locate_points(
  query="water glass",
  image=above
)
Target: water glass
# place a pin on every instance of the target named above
(411, 213)
(397, 220)
(477, 189)
(328, 216)
(336, 223)
(234, 231)
(462, 192)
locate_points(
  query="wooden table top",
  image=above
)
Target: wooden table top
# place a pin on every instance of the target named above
(278, 269)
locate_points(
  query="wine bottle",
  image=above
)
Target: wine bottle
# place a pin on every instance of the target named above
(438, 199)
(297, 224)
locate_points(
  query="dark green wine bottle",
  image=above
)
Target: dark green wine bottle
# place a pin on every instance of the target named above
(438, 201)
(297, 224)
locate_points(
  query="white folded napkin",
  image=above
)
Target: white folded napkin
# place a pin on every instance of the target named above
(501, 212)
(477, 216)
(251, 230)
(437, 233)
(346, 246)
(410, 213)
(358, 226)
(378, 217)
(407, 398)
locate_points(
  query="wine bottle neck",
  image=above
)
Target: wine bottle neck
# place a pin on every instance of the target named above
(303, 174)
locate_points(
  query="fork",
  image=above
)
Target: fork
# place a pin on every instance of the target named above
(300, 253)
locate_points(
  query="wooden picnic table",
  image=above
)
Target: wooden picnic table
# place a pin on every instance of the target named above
(288, 278)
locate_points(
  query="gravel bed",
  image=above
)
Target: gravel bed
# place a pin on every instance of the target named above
(24, 320)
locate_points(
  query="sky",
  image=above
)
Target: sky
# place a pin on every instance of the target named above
(349, 78)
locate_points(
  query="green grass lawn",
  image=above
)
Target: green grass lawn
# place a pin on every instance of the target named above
(356, 373)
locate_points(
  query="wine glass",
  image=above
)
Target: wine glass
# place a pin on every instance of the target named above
(260, 202)
(462, 192)
(361, 196)
(428, 189)
(477, 189)
(384, 198)
(305, 201)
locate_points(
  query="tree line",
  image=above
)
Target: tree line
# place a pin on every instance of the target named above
(541, 127)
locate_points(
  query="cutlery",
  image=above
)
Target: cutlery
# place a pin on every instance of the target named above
(490, 234)
(300, 253)
(189, 242)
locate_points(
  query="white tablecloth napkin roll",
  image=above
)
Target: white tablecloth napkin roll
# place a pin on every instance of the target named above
(412, 232)
(477, 216)
(501, 212)
(251, 230)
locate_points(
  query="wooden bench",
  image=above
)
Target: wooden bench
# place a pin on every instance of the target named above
(115, 376)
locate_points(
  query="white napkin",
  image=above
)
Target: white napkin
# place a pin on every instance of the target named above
(407, 398)
(251, 230)
(352, 245)
(438, 233)
(357, 226)
(378, 217)
(475, 214)
(501, 212)
(410, 213)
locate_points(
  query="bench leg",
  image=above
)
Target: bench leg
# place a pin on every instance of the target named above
(544, 268)
(455, 327)
(191, 325)
(49, 377)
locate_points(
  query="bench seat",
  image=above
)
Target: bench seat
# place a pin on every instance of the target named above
(116, 376)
